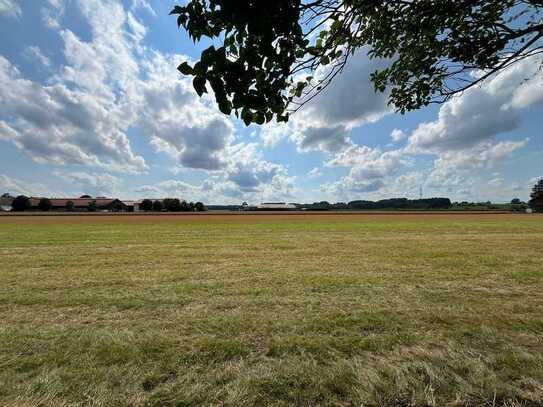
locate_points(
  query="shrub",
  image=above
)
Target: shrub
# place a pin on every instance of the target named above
(21, 203)
(45, 204)
(146, 205)
(157, 206)
(92, 206)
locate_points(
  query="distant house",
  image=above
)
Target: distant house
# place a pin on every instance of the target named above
(275, 206)
(82, 204)
(132, 206)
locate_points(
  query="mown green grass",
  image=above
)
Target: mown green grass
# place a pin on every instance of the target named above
(390, 312)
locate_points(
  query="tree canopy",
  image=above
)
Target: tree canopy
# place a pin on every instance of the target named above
(21, 203)
(146, 205)
(536, 201)
(158, 206)
(269, 58)
(45, 204)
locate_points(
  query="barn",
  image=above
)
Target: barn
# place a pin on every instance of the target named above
(82, 204)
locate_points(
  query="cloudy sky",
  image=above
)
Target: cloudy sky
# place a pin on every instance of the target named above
(91, 102)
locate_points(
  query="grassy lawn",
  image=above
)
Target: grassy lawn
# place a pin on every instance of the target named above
(272, 310)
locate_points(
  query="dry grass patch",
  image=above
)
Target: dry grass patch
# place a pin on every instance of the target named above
(390, 310)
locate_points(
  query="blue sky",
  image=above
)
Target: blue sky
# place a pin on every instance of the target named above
(91, 102)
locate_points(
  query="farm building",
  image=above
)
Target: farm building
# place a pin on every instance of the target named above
(82, 204)
(132, 206)
(275, 206)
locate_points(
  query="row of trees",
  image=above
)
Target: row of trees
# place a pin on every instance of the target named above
(394, 203)
(22, 203)
(171, 205)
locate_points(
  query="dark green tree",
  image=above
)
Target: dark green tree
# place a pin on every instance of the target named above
(146, 205)
(45, 204)
(435, 48)
(184, 206)
(176, 205)
(536, 197)
(92, 207)
(157, 206)
(515, 201)
(20, 203)
(199, 207)
(118, 206)
(172, 205)
(70, 206)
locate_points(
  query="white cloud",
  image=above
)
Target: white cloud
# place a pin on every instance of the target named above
(62, 126)
(350, 100)
(17, 186)
(245, 176)
(484, 155)
(482, 113)
(82, 115)
(111, 83)
(51, 13)
(370, 170)
(143, 4)
(368, 164)
(10, 8)
(397, 135)
(273, 132)
(315, 173)
(463, 135)
(324, 123)
(458, 172)
(325, 138)
(248, 170)
(35, 54)
(179, 123)
(108, 85)
(94, 184)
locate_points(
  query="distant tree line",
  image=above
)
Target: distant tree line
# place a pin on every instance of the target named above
(171, 205)
(394, 203)
(516, 205)
(22, 203)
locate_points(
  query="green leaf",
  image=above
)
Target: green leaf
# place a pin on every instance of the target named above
(225, 106)
(282, 118)
(185, 69)
(199, 68)
(247, 116)
(199, 84)
(260, 118)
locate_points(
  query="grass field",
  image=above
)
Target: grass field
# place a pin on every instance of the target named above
(373, 310)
